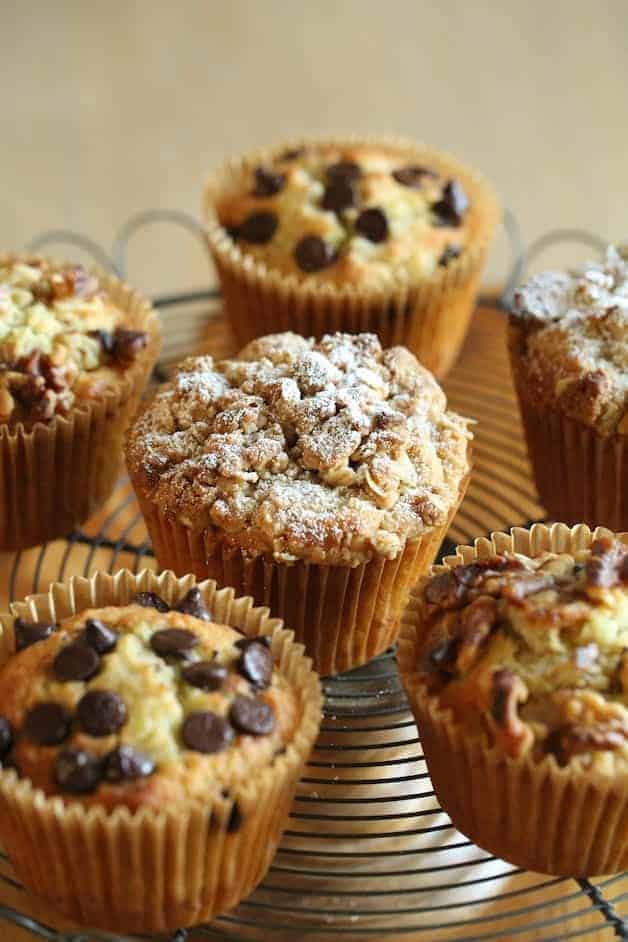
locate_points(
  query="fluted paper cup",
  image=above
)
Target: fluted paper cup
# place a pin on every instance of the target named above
(157, 870)
(579, 474)
(430, 316)
(534, 814)
(344, 615)
(55, 475)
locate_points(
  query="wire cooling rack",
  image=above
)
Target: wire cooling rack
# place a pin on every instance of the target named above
(368, 854)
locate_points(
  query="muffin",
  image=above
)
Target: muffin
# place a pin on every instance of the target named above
(569, 352)
(352, 235)
(151, 745)
(318, 477)
(513, 656)
(76, 349)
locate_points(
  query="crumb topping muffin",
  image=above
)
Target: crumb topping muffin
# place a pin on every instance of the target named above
(360, 215)
(534, 652)
(325, 451)
(573, 352)
(63, 341)
(142, 705)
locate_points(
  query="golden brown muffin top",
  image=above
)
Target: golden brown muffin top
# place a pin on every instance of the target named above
(63, 341)
(534, 652)
(574, 349)
(327, 451)
(362, 215)
(142, 705)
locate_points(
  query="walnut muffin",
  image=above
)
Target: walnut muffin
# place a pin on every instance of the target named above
(131, 709)
(317, 476)
(76, 348)
(569, 354)
(525, 659)
(366, 220)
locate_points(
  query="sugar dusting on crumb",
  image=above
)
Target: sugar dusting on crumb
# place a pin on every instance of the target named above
(326, 451)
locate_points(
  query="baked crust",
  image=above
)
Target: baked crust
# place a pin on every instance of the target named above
(63, 341)
(327, 451)
(533, 652)
(157, 699)
(569, 339)
(416, 221)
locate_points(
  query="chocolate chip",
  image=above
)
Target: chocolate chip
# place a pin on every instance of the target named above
(105, 339)
(99, 636)
(173, 642)
(452, 206)
(77, 772)
(372, 224)
(150, 600)
(235, 819)
(101, 713)
(30, 632)
(207, 732)
(255, 662)
(6, 737)
(193, 603)
(128, 343)
(312, 254)
(412, 175)
(252, 715)
(205, 674)
(340, 193)
(77, 661)
(125, 763)
(48, 724)
(449, 253)
(259, 228)
(233, 232)
(268, 182)
(346, 169)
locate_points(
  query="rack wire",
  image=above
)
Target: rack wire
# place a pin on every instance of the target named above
(368, 853)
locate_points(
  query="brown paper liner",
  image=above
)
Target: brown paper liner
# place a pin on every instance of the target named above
(430, 317)
(579, 474)
(54, 476)
(344, 615)
(536, 815)
(154, 871)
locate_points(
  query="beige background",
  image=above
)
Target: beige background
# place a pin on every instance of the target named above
(110, 108)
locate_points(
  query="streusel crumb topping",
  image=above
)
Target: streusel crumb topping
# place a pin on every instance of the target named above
(325, 451)
(62, 340)
(575, 346)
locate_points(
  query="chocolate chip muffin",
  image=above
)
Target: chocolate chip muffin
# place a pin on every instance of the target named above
(318, 477)
(351, 235)
(125, 711)
(519, 661)
(76, 348)
(569, 355)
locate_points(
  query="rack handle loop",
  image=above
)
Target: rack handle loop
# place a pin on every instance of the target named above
(537, 247)
(147, 218)
(70, 237)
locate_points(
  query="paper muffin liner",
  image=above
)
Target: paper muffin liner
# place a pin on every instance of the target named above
(56, 475)
(156, 870)
(579, 474)
(536, 815)
(343, 615)
(430, 316)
